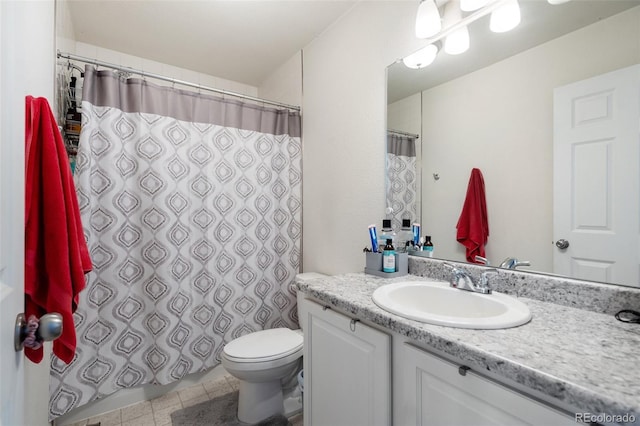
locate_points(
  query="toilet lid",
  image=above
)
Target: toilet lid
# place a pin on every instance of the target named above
(264, 345)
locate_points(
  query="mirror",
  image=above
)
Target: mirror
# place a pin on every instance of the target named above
(403, 166)
(492, 108)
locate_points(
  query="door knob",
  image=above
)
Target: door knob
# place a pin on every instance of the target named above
(47, 328)
(562, 244)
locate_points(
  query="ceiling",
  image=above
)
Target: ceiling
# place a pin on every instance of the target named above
(540, 22)
(246, 40)
(238, 40)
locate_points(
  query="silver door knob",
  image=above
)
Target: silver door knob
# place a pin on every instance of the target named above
(49, 327)
(562, 244)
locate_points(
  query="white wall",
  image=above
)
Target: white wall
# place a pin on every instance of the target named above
(500, 119)
(65, 32)
(284, 84)
(344, 110)
(136, 62)
(406, 114)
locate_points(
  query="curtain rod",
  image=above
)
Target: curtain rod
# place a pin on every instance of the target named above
(401, 133)
(73, 57)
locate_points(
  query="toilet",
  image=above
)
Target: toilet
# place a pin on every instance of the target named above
(266, 363)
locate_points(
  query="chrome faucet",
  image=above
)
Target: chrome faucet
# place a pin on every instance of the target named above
(513, 263)
(461, 280)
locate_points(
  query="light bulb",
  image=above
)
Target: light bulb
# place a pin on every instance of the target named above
(554, 2)
(428, 19)
(506, 17)
(458, 41)
(422, 57)
(471, 5)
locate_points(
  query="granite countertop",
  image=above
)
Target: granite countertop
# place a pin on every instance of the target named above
(587, 360)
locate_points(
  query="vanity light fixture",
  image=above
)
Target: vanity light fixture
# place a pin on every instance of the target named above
(458, 41)
(428, 19)
(471, 5)
(422, 57)
(554, 2)
(506, 17)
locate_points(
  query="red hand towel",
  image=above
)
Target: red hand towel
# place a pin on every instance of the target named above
(473, 225)
(56, 254)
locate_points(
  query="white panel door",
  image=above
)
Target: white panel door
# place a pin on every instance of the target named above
(432, 392)
(27, 57)
(347, 371)
(11, 218)
(597, 178)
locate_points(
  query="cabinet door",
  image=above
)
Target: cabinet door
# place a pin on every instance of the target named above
(431, 391)
(347, 371)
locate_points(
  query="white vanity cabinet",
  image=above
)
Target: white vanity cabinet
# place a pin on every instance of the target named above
(429, 390)
(347, 371)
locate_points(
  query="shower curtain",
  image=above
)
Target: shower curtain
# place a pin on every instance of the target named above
(401, 177)
(192, 213)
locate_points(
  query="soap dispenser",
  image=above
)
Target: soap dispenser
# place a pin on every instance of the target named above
(389, 257)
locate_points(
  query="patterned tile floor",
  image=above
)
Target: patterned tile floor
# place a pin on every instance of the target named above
(157, 412)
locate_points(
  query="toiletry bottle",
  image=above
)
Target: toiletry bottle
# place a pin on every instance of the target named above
(373, 235)
(389, 257)
(416, 234)
(428, 246)
(405, 236)
(386, 233)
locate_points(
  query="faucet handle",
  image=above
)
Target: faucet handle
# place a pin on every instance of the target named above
(455, 270)
(457, 274)
(513, 263)
(484, 278)
(483, 260)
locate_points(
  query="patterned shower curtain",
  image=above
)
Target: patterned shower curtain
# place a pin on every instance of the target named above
(401, 177)
(192, 211)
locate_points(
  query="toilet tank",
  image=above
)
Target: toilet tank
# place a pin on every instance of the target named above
(302, 313)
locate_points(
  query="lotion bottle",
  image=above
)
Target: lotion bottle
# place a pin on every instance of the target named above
(389, 257)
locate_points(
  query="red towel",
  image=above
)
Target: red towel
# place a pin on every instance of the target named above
(473, 225)
(56, 254)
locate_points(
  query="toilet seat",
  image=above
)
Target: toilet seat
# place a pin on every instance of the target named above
(264, 346)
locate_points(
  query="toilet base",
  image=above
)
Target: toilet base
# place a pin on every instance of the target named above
(292, 403)
(258, 401)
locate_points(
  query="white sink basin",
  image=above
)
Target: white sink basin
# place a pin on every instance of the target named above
(435, 302)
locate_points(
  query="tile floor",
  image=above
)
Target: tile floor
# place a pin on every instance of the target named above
(157, 412)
